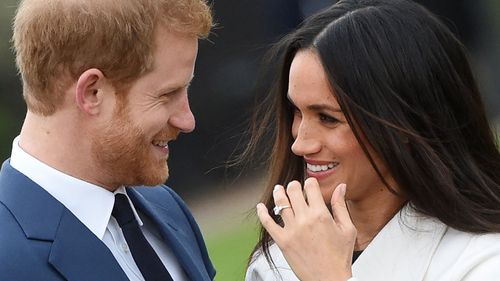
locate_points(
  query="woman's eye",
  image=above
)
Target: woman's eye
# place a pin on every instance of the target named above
(327, 118)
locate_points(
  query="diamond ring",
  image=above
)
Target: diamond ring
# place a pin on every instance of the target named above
(277, 210)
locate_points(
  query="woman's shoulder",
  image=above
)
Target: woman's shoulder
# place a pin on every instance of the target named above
(260, 269)
(467, 244)
(430, 248)
(476, 245)
(462, 254)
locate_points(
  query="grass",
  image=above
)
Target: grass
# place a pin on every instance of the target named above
(230, 249)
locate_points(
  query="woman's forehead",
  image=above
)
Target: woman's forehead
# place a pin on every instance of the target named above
(308, 83)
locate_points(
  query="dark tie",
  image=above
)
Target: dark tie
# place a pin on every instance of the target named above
(145, 257)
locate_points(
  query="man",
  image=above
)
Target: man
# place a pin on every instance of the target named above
(81, 198)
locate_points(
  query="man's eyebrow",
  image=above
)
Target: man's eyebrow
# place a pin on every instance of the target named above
(317, 107)
(171, 88)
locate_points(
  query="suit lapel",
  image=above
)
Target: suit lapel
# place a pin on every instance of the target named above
(402, 250)
(172, 233)
(36, 211)
(76, 253)
(79, 255)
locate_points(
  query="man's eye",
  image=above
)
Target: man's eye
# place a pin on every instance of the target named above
(168, 94)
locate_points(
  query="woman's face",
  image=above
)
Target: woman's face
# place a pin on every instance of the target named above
(322, 136)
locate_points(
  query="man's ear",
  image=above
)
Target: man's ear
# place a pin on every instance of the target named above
(89, 93)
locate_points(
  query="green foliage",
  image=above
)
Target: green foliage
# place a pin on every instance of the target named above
(230, 249)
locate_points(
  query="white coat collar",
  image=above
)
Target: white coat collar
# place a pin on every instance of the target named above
(407, 227)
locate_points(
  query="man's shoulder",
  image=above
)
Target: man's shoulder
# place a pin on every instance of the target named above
(159, 190)
(15, 247)
(165, 201)
(160, 194)
(10, 226)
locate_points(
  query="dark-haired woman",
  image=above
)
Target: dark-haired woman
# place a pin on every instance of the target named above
(393, 171)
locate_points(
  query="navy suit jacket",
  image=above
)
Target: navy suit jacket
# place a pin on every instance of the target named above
(42, 240)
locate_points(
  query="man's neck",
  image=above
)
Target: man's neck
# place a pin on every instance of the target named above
(52, 141)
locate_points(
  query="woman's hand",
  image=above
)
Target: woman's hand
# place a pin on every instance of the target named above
(316, 245)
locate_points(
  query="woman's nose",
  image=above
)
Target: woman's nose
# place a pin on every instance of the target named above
(306, 142)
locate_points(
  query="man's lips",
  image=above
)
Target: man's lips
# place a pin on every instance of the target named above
(162, 146)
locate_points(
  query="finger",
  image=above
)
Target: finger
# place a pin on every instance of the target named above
(267, 221)
(281, 199)
(313, 193)
(297, 199)
(339, 207)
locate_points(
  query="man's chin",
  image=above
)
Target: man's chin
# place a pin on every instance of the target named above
(139, 175)
(154, 179)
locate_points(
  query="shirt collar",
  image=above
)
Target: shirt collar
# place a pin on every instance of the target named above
(90, 203)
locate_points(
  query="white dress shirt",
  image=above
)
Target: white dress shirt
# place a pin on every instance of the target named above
(93, 205)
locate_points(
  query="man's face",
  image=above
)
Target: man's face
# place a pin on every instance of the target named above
(132, 148)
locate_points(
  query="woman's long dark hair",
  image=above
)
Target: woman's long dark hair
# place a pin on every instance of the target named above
(403, 78)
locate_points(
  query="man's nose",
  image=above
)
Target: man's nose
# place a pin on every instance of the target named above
(183, 118)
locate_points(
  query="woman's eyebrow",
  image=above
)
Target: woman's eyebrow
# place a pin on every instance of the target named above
(323, 107)
(317, 107)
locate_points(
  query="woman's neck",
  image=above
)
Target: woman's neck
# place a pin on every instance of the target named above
(370, 215)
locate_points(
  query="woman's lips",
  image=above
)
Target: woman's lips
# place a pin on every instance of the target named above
(320, 169)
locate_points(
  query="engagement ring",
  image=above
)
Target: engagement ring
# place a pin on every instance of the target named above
(277, 210)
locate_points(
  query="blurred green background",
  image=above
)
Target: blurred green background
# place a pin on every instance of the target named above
(226, 72)
(229, 251)
(230, 227)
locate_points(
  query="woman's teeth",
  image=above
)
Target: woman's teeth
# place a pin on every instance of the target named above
(320, 168)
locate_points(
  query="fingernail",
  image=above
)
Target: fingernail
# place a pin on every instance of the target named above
(257, 207)
(342, 189)
(276, 188)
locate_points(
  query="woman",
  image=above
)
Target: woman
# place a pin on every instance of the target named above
(379, 106)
